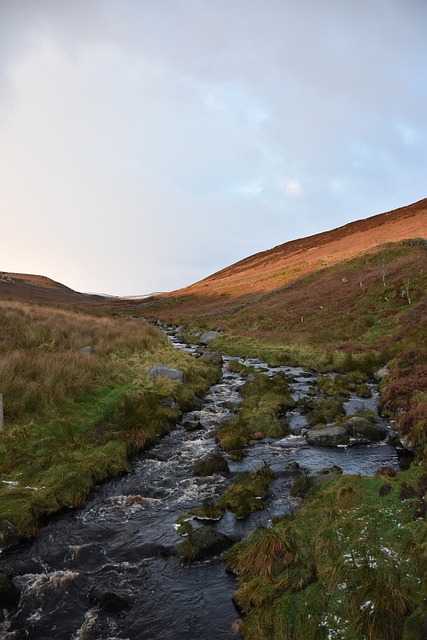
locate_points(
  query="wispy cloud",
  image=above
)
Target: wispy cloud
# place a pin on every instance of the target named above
(292, 187)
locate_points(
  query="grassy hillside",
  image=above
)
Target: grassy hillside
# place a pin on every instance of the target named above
(271, 270)
(351, 563)
(360, 313)
(74, 418)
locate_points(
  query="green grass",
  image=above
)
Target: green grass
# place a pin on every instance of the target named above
(351, 564)
(242, 497)
(73, 420)
(265, 402)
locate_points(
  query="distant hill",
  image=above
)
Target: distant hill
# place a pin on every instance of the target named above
(244, 281)
(40, 289)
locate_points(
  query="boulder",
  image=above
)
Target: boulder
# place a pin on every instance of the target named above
(328, 437)
(381, 373)
(326, 474)
(211, 358)
(9, 534)
(162, 371)
(86, 351)
(365, 430)
(208, 541)
(207, 337)
(168, 402)
(192, 425)
(109, 600)
(9, 594)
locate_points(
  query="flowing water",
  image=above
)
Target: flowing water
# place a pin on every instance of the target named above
(123, 541)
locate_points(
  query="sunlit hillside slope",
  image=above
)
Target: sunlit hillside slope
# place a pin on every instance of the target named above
(282, 265)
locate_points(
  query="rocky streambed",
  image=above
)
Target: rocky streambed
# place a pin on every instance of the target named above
(110, 570)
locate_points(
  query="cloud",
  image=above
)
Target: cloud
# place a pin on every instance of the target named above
(292, 188)
(146, 144)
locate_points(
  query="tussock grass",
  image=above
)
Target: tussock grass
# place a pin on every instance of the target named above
(265, 402)
(270, 552)
(213, 463)
(245, 493)
(237, 367)
(323, 410)
(188, 551)
(352, 565)
(40, 361)
(242, 497)
(73, 419)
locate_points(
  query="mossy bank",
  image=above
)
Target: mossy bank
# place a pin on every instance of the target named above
(78, 403)
(350, 564)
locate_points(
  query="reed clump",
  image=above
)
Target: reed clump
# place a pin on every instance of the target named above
(348, 564)
(212, 463)
(74, 415)
(263, 414)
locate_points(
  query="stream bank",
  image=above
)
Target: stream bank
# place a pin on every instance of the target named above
(110, 570)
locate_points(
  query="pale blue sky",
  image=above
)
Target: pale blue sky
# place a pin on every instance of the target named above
(145, 144)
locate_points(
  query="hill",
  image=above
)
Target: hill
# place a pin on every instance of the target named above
(243, 281)
(274, 268)
(39, 289)
(356, 293)
(270, 269)
(346, 301)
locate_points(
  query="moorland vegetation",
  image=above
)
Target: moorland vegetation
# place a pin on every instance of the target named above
(78, 403)
(352, 562)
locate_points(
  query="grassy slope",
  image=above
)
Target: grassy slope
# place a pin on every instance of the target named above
(73, 419)
(352, 564)
(362, 313)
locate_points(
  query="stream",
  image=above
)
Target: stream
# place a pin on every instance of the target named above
(123, 540)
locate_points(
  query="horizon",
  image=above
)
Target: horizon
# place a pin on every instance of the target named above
(224, 268)
(146, 147)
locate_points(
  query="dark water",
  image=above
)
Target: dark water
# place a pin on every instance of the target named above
(124, 538)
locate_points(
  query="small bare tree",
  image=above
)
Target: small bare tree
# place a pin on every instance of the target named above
(382, 260)
(405, 291)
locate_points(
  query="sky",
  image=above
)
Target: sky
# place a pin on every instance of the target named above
(146, 144)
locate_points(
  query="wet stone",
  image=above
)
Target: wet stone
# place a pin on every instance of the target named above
(9, 594)
(324, 475)
(109, 600)
(364, 429)
(328, 437)
(209, 542)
